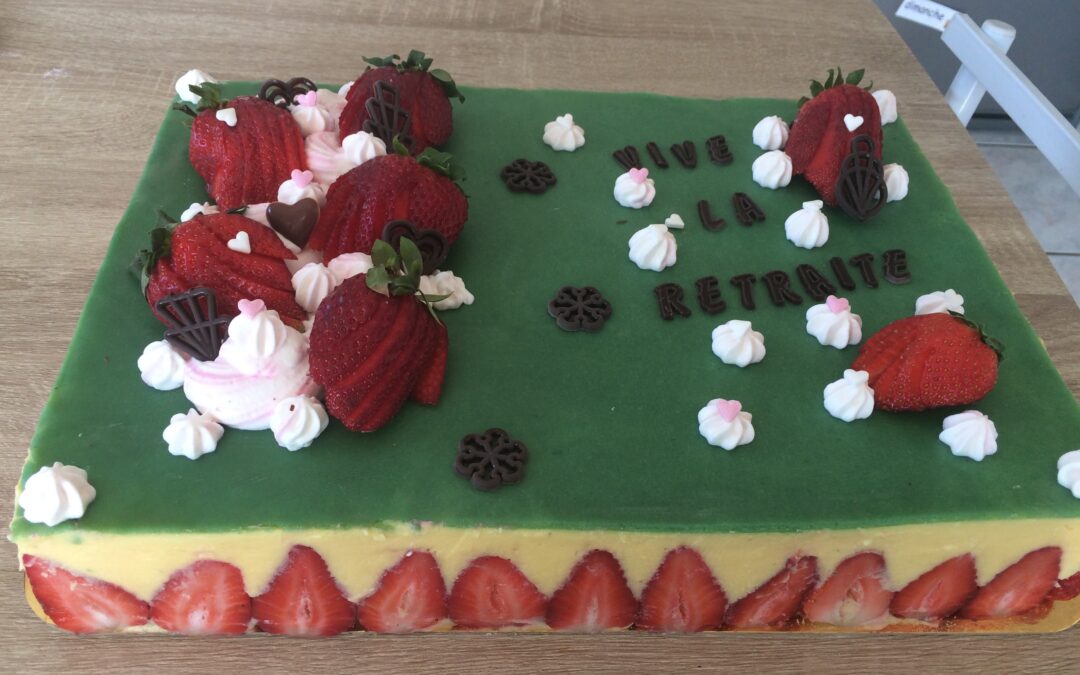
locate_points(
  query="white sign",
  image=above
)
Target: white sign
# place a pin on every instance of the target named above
(931, 14)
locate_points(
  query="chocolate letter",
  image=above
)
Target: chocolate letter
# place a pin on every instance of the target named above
(746, 210)
(895, 264)
(709, 223)
(842, 276)
(657, 156)
(686, 153)
(708, 295)
(669, 296)
(865, 263)
(745, 284)
(718, 150)
(779, 286)
(816, 285)
(628, 157)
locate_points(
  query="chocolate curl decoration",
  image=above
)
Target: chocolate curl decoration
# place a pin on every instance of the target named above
(861, 190)
(628, 157)
(386, 118)
(192, 330)
(282, 94)
(431, 243)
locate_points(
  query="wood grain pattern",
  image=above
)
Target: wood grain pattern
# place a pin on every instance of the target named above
(86, 84)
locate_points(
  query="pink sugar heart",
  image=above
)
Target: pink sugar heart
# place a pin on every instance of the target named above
(837, 305)
(639, 175)
(727, 409)
(302, 178)
(251, 307)
(308, 99)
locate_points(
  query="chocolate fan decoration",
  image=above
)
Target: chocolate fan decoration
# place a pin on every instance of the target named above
(192, 330)
(283, 94)
(432, 243)
(861, 190)
(386, 118)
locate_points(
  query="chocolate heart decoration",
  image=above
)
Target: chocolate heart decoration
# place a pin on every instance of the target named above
(294, 221)
(432, 244)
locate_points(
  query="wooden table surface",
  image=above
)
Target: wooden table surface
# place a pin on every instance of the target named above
(86, 84)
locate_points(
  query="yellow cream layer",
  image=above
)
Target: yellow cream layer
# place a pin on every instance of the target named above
(357, 557)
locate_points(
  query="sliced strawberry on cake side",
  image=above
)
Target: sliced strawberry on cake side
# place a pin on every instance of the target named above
(374, 340)
(821, 137)
(422, 92)
(244, 148)
(428, 388)
(303, 599)
(1017, 589)
(80, 604)
(937, 593)
(390, 187)
(593, 598)
(491, 592)
(682, 596)
(775, 603)
(929, 361)
(197, 253)
(855, 594)
(411, 596)
(205, 598)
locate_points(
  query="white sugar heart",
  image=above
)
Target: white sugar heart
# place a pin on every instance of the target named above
(241, 243)
(227, 115)
(675, 220)
(852, 122)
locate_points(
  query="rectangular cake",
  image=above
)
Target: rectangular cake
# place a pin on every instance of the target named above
(648, 458)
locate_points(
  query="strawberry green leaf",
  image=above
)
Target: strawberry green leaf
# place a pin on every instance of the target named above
(399, 147)
(377, 278)
(802, 101)
(381, 61)
(816, 88)
(410, 257)
(447, 83)
(145, 261)
(839, 77)
(829, 82)
(855, 76)
(441, 162)
(209, 94)
(383, 255)
(184, 108)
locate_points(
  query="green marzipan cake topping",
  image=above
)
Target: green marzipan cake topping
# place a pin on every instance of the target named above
(609, 417)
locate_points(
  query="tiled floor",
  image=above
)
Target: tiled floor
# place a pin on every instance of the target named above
(1049, 205)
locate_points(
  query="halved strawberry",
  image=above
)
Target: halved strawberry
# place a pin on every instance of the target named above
(245, 163)
(938, 592)
(929, 361)
(820, 139)
(303, 599)
(81, 604)
(682, 596)
(369, 351)
(429, 387)
(205, 598)
(1018, 588)
(196, 253)
(594, 597)
(411, 596)
(1066, 589)
(360, 203)
(493, 593)
(425, 94)
(855, 594)
(774, 603)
